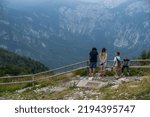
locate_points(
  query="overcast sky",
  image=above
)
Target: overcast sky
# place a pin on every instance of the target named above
(35, 2)
(27, 1)
(38, 1)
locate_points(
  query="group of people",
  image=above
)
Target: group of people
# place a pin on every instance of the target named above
(118, 65)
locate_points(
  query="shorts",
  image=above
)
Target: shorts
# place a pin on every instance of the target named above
(93, 64)
(103, 65)
(117, 70)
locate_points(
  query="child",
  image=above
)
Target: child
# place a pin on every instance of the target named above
(125, 65)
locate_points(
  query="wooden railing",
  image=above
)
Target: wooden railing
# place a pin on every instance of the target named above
(21, 79)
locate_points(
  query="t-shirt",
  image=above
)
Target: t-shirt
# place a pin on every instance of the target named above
(103, 58)
(93, 56)
(126, 62)
(116, 61)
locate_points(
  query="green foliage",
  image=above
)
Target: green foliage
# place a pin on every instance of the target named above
(82, 72)
(13, 64)
(110, 73)
(137, 72)
(13, 88)
(144, 55)
(141, 72)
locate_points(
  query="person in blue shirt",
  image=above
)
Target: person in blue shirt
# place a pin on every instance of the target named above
(93, 56)
(126, 61)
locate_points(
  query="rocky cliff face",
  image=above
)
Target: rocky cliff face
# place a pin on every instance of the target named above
(62, 32)
(126, 22)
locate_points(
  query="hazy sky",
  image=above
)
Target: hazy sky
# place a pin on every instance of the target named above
(26, 1)
(39, 1)
(35, 2)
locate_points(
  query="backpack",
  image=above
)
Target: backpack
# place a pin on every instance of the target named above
(118, 62)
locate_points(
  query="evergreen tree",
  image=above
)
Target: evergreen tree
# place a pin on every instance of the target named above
(13, 64)
(145, 55)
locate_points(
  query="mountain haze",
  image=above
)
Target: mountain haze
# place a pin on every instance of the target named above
(63, 31)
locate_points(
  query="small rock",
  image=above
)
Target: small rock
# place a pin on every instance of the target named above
(96, 97)
(81, 94)
(133, 86)
(73, 83)
(124, 80)
(23, 90)
(103, 84)
(82, 83)
(115, 87)
(90, 78)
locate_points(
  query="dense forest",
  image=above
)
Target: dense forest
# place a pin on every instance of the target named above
(13, 64)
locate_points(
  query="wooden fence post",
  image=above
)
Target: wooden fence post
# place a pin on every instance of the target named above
(33, 80)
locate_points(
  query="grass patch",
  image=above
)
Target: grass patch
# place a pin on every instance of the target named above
(44, 95)
(131, 90)
(13, 88)
(82, 72)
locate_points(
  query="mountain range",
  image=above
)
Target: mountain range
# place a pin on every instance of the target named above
(64, 31)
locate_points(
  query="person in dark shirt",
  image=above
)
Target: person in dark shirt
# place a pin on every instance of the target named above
(93, 55)
(125, 64)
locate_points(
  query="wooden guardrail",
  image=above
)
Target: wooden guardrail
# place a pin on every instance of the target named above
(7, 80)
(31, 78)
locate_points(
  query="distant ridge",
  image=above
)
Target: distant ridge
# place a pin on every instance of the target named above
(13, 64)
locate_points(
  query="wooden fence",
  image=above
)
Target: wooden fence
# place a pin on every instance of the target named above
(31, 78)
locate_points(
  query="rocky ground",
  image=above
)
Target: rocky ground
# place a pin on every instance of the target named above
(83, 88)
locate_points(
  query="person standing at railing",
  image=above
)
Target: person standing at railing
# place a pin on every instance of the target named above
(126, 61)
(117, 65)
(103, 62)
(93, 55)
